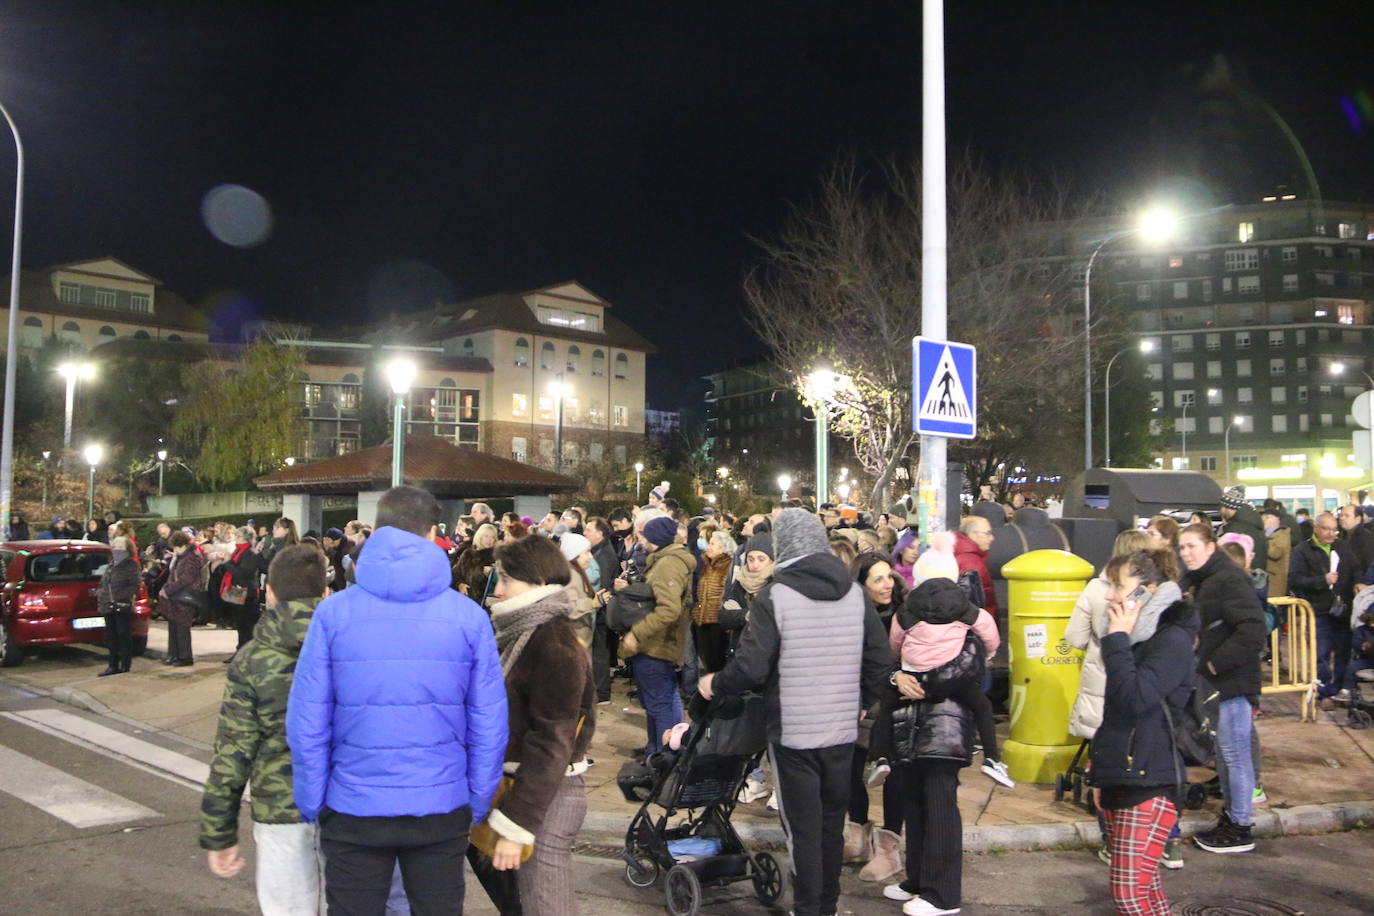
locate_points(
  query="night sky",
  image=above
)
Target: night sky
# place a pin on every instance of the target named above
(410, 152)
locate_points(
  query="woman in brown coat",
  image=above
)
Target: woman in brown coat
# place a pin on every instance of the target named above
(711, 640)
(183, 576)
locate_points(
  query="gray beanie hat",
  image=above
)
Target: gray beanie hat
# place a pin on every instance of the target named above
(1234, 498)
(798, 533)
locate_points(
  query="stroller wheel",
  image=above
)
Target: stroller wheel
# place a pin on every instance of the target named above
(1061, 785)
(642, 872)
(768, 879)
(1360, 718)
(682, 891)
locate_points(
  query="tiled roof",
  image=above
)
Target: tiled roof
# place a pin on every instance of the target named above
(435, 464)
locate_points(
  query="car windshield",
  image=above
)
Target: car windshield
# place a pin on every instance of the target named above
(76, 566)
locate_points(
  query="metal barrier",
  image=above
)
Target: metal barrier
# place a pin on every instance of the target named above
(1294, 670)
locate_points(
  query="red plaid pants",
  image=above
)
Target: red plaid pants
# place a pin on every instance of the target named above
(1136, 838)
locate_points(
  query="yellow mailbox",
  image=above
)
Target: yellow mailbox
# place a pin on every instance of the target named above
(1043, 586)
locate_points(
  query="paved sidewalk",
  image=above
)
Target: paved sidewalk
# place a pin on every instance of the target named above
(1322, 763)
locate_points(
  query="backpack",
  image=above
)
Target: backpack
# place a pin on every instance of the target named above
(972, 585)
(629, 606)
(1195, 727)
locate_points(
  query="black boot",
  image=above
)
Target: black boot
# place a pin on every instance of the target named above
(109, 671)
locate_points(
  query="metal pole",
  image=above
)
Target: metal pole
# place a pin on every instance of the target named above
(1226, 446)
(71, 404)
(90, 495)
(558, 430)
(1088, 354)
(11, 340)
(822, 456)
(1107, 409)
(931, 482)
(1183, 433)
(161, 466)
(398, 441)
(639, 494)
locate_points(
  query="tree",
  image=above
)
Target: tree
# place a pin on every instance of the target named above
(242, 415)
(375, 403)
(839, 287)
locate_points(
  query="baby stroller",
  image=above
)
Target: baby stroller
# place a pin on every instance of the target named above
(701, 780)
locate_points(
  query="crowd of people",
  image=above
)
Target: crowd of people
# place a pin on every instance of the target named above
(439, 704)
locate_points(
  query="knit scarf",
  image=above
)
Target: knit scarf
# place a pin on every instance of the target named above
(517, 618)
(753, 581)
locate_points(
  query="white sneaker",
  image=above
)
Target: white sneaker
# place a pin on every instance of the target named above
(773, 802)
(881, 769)
(996, 770)
(895, 892)
(920, 906)
(752, 790)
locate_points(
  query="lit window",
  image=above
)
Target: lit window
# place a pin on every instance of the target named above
(1345, 314)
(1245, 395)
(621, 415)
(1302, 394)
(1345, 230)
(1185, 397)
(1322, 251)
(1242, 259)
(519, 447)
(1242, 340)
(1154, 372)
(1289, 254)
(1245, 232)
(568, 318)
(1214, 426)
(1278, 394)
(1213, 368)
(1249, 284)
(1303, 422)
(1183, 372)
(106, 298)
(1214, 397)
(545, 407)
(69, 292)
(140, 302)
(1181, 343)
(1242, 368)
(1175, 261)
(519, 404)
(522, 352)
(1180, 464)
(1213, 342)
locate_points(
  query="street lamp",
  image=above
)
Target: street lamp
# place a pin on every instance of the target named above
(291, 462)
(93, 455)
(558, 389)
(821, 385)
(1145, 347)
(161, 466)
(71, 372)
(639, 469)
(46, 472)
(785, 484)
(844, 490)
(724, 475)
(1155, 225)
(11, 365)
(400, 374)
(1226, 444)
(1339, 369)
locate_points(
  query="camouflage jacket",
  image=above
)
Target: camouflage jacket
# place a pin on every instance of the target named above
(250, 744)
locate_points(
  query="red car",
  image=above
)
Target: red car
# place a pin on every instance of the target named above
(49, 597)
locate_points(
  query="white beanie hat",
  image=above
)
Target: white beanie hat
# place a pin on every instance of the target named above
(573, 546)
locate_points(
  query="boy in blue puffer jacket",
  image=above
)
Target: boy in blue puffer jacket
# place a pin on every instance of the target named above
(397, 719)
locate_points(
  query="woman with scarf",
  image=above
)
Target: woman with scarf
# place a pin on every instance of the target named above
(471, 572)
(582, 592)
(714, 569)
(237, 585)
(183, 575)
(752, 575)
(115, 598)
(552, 708)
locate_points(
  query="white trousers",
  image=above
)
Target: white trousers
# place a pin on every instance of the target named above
(290, 870)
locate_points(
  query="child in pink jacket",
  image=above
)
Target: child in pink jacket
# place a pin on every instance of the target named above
(929, 630)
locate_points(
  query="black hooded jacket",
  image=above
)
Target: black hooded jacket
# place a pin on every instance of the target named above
(1232, 624)
(937, 601)
(1134, 746)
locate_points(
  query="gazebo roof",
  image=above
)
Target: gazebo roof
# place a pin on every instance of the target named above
(437, 465)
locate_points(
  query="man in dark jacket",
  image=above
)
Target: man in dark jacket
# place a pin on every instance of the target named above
(397, 719)
(814, 645)
(250, 746)
(1355, 533)
(1228, 652)
(1323, 571)
(604, 642)
(1239, 517)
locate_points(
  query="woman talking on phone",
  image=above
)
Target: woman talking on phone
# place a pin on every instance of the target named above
(1136, 770)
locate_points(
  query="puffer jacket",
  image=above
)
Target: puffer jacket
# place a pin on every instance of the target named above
(398, 706)
(1232, 624)
(119, 585)
(250, 742)
(939, 727)
(1133, 745)
(670, 576)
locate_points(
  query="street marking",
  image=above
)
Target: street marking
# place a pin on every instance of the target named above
(64, 796)
(75, 729)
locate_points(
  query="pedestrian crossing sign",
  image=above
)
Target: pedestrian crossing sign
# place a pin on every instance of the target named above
(944, 384)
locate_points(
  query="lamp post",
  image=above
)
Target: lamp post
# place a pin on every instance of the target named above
(844, 490)
(785, 484)
(161, 466)
(1155, 226)
(639, 469)
(1339, 369)
(12, 344)
(400, 373)
(93, 455)
(1183, 434)
(1145, 347)
(821, 385)
(71, 372)
(1226, 444)
(559, 390)
(46, 473)
(724, 475)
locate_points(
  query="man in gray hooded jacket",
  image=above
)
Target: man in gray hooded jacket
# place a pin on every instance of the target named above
(815, 646)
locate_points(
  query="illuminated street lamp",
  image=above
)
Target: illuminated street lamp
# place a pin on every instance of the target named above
(291, 462)
(724, 475)
(161, 466)
(400, 374)
(11, 337)
(639, 469)
(821, 386)
(1146, 346)
(71, 372)
(94, 453)
(1226, 442)
(785, 484)
(1156, 225)
(844, 490)
(560, 390)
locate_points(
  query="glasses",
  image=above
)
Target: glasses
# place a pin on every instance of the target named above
(1326, 527)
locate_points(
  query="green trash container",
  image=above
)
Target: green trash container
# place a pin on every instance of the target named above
(1043, 586)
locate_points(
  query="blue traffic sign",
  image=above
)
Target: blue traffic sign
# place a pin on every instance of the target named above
(944, 383)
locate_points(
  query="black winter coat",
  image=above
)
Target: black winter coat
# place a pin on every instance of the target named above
(1232, 622)
(1308, 565)
(119, 585)
(1133, 745)
(938, 727)
(1247, 521)
(607, 561)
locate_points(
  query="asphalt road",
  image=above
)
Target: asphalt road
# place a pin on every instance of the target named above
(98, 816)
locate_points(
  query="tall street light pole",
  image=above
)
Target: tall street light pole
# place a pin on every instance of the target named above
(559, 390)
(1145, 347)
(639, 469)
(400, 374)
(1183, 434)
(11, 338)
(71, 372)
(161, 467)
(821, 385)
(94, 453)
(1226, 446)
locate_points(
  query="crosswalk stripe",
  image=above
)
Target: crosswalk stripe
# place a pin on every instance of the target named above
(82, 731)
(64, 796)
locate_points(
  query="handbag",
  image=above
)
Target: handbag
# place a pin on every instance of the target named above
(484, 837)
(234, 594)
(191, 598)
(629, 606)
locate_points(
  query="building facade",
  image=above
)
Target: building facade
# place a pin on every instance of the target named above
(1258, 327)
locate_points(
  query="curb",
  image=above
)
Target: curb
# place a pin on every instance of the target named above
(604, 828)
(71, 696)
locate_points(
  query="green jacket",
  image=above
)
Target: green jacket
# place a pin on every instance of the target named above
(250, 744)
(670, 575)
